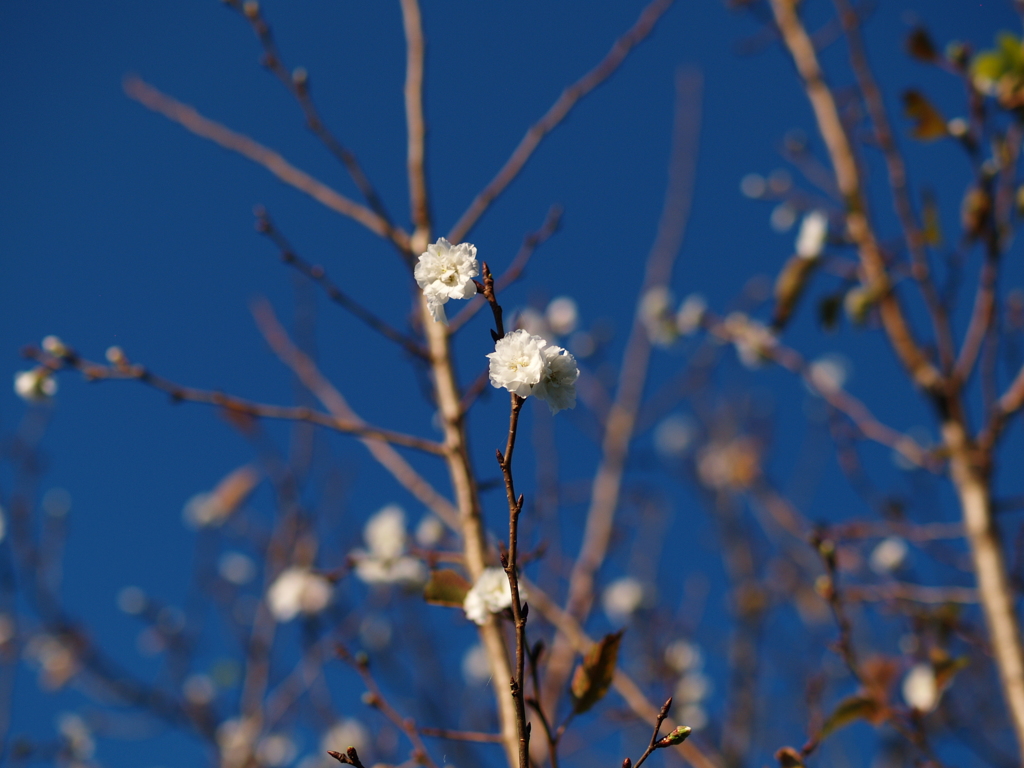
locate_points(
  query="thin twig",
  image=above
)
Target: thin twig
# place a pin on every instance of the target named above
(297, 83)
(558, 111)
(474, 736)
(376, 700)
(318, 275)
(335, 403)
(530, 244)
(190, 119)
(235, 405)
(620, 424)
(415, 125)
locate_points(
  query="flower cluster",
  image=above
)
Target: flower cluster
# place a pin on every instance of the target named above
(490, 594)
(385, 561)
(446, 271)
(527, 365)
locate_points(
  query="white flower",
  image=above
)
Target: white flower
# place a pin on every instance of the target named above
(517, 362)
(534, 323)
(77, 736)
(386, 561)
(275, 750)
(812, 236)
(754, 341)
(236, 568)
(683, 656)
(691, 314)
(476, 666)
(920, 689)
(35, 386)
(446, 271)
(490, 594)
(889, 555)
(385, 533)
(622, 598)
(298, 590)
(674, 435)
(429, 532)
(562, 315)
(557, 385)
(829, 373)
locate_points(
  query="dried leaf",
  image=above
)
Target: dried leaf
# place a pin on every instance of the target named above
(594, 676)
(829, 309)
(930, 219)
(850, 710)
(789, 758)
(920, 46)
(929, 124)
(446, 587)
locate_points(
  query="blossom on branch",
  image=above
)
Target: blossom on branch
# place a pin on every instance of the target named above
(526, 365)
(557, 385)
(35, 386)
(445, 271)
(490, 594)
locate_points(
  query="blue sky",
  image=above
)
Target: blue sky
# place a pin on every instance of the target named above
(118, 227)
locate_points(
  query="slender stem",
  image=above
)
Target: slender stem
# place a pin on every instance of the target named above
(191, 120)
(554, 116)
(415, 124)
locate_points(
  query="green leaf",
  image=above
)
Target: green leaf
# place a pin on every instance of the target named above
(929, 124)
(446, 587)
(594, 676)
(850, 710)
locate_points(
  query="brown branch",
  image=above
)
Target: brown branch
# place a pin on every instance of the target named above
(897, 172)
(474, 736)
(1006, 406)
(638, 703)
(875, 276)
(235, 405)
(416, 151)
(530, 244)
(558, 111)
(307, 372)
(621, 422)
(914, 593)
(191, 120)
(297, 83)
(317, 274)
(510, 559)
(376, 700)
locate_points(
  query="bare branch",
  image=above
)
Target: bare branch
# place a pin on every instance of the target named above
(416, 152)
(190, 119)
(231, 403)
(621, 421)
(307, 372)
(558, 111)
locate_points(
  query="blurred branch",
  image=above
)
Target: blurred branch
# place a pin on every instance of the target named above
(844, 163)
(639, 704)
(336, 404)
(915, 240)
(376, 699)
(318, 275)
(621, 422)
(234, 405)
(558, 111)
(191, 120)
(416, 152)
(297, 83)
